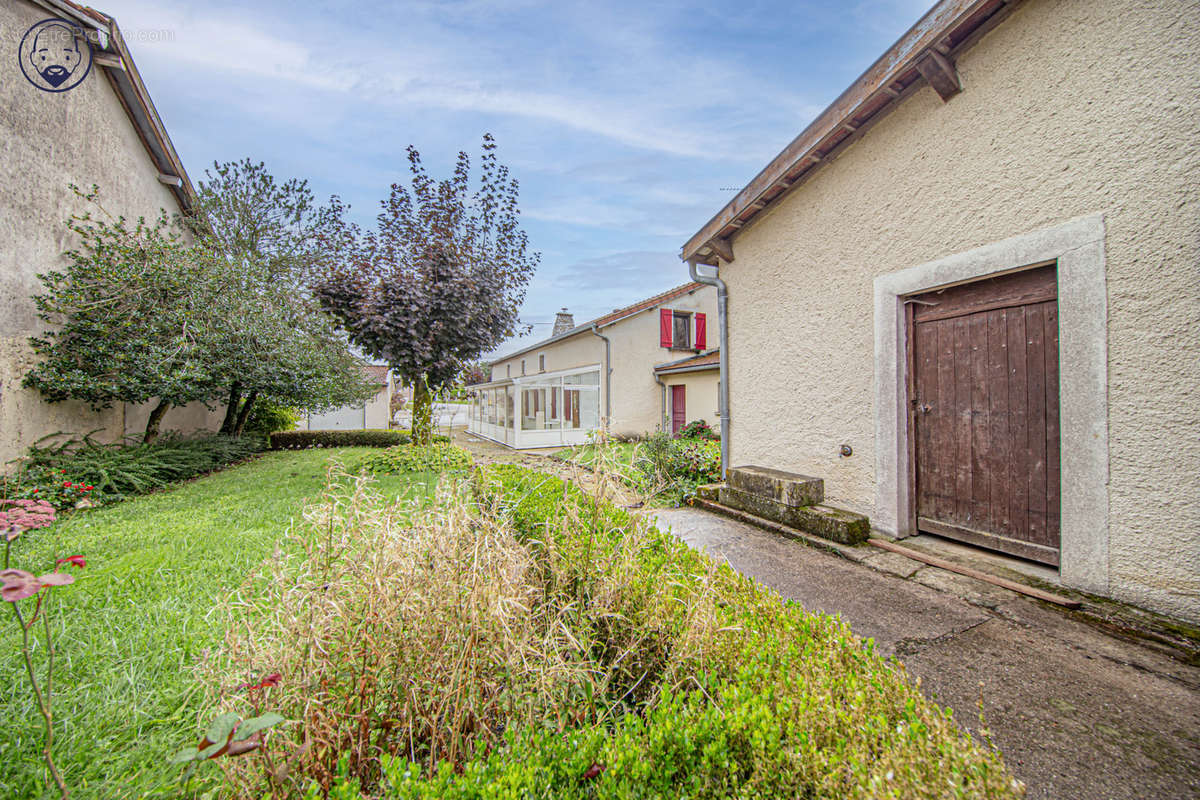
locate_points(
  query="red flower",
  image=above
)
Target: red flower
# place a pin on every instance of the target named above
(78, 561)
(270, 680)
(35, 491)
(66, 484)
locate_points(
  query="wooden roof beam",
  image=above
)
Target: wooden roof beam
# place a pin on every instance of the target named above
(722, 247)
(940, 73)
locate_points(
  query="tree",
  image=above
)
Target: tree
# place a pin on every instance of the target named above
(439, 281)
(274, 239)
(135, 314)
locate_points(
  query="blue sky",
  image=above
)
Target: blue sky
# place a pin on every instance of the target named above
(628, 124)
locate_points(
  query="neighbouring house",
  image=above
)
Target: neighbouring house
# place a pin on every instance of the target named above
(375, 414)
(602, 375)
(103, 131)
(967, 296)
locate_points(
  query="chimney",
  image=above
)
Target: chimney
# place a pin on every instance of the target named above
(563, 322)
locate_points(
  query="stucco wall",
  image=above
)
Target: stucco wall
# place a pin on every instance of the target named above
(1068, 108)
(48, 141)
(701, 398)
(637, 397)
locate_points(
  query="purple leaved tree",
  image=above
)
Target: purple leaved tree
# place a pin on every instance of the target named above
(439, 281)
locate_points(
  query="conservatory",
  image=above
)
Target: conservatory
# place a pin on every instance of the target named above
(549, 409)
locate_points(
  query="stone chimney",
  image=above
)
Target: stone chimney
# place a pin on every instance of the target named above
(563, 322)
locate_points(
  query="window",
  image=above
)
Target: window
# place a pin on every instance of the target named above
(508, 373)
(542, 362)
(522, 366)
(681, 332)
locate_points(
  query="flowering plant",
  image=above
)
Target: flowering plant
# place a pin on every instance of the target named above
(16, 517)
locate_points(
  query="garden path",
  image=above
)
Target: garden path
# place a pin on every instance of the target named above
(1077, 713)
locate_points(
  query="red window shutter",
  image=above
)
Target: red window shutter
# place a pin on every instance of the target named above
(664, 327)
(701, 331)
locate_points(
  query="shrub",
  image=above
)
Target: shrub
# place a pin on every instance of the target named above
(66, 473)
(697, 429)
(540, 643)
(415, 458)
(673, 468)
(266, 418)
(303, 440)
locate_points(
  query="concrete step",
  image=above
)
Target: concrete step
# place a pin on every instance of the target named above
(787, 488)
(827, 522)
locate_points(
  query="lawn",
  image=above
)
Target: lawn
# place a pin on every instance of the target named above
(129, 633)
(616, 457)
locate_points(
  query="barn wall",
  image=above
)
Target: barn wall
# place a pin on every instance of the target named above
(1069, 108)
(47, 141)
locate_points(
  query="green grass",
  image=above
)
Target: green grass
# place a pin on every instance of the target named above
(616, 457)
(129, 633)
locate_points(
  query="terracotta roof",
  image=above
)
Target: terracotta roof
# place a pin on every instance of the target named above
(650, 302)
(608, 319)
(376, 372)
(711, 358)
(922, 56)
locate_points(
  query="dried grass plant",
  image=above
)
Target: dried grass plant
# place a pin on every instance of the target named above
(426, 634)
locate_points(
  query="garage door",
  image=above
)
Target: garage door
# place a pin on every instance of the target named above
(340, 419)
(984, 404)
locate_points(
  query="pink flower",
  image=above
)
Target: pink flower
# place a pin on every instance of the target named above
(18, 585)
(55, 579)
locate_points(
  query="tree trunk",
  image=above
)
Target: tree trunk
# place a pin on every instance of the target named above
(152, 423)
(244, 414)
(422, 413)
(231, 410)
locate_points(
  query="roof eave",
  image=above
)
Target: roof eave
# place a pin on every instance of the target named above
(112, 56)
(924, 54)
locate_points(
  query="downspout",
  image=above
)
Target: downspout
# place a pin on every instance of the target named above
(723, 335)
(607, 375)
(662, 411)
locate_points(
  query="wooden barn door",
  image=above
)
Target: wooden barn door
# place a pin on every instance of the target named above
(984, 406)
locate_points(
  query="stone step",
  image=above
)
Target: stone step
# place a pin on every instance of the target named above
(827, 522)
(787, 488)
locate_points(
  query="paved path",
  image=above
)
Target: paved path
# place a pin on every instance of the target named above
(1076, 713)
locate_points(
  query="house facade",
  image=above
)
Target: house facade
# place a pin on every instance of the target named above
(103, 131)
(601, 375)
(979, 271)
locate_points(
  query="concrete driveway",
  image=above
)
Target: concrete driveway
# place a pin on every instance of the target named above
(1076, 713)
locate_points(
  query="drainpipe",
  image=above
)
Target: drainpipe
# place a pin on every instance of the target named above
(662, 411)
(607, 375)
(723, 334)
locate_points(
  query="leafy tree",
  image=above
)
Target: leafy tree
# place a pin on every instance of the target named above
(439, 281)
(135, 312)
(274, 238)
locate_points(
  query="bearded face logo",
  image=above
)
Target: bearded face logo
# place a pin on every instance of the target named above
(55, 56)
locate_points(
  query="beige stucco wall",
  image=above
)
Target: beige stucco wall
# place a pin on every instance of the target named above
(48, 141)
(636, 396)
(1068, 108)
(701, 396)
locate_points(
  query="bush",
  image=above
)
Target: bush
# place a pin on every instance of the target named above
(673, 468)
(697, 429)
(66, 473)
(303, 440)
(266, 419)
(540, 643)
(414, 458)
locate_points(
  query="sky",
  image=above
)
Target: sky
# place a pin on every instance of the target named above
(628, 125)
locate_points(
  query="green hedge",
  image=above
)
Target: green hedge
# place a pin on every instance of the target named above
(303, 440)
(720, 688)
